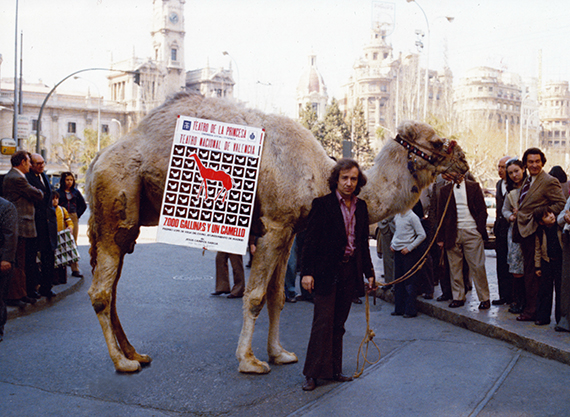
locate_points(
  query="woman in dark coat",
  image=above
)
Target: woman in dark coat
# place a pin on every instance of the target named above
(71, 198)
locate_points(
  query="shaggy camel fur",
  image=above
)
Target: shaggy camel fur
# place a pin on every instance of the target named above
(125, 184)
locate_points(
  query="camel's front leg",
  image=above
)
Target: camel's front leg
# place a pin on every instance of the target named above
(275, 303)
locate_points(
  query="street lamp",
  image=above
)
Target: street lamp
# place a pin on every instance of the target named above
(226, 53)
(38, 132)
(98, 112)
(449, 19)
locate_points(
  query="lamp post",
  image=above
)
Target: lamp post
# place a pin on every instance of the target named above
(98, 112)
(226, 53)
(449, 19)
(38, 133)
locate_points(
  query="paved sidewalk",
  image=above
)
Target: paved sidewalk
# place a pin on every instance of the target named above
(496, 322)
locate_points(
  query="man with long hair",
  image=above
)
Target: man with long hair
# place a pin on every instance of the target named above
(335, 259)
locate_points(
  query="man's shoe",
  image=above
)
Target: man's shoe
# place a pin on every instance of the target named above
(499, 302)
(342, 378)
(561, 329)
(393, 313)
(235, 296)
(309, 384)
(290, 299)
(47, 294)
(525, 317)
(34, 294)
(77, 274)
(428, 296)
(15, 303)
(220, 292)
(456, 303)
(542, 322)
(356, 300)
(485, 305)
(28, 300)
(443, 298)
(410, 316)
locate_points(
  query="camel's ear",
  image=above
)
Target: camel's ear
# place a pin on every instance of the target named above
(409, 130)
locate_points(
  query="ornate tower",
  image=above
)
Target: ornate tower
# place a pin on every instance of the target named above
(168, 44)
(312, 89)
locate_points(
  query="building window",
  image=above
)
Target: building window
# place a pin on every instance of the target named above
(104, 128)
(173, 53)
(71, 127)
(375, 56)
(35, 124)
(384, 88)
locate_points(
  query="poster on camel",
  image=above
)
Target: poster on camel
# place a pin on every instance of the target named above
(210, 186)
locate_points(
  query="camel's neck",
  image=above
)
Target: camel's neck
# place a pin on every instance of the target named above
(198, 162)
(392, 187)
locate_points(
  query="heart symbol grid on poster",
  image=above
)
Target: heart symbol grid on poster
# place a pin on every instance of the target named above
(186, 194)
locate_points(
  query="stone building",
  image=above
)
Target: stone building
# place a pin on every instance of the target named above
(312, 89)
(391, 90)
(211, 82)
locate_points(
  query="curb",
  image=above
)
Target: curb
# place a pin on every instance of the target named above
(61, 291)
(546, 347)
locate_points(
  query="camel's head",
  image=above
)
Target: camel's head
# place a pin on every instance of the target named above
(445, 155)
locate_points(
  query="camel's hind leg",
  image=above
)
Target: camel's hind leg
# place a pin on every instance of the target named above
(103, 295)
(270, 257)
(124, 343)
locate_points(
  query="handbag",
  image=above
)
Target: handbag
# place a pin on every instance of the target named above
(66, 252)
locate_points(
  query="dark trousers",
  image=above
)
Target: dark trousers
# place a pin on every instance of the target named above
(405, 292)
(324, 353)
(504, 277)
(530, 278)
(16, 287)
(4, 281)
(549, 280)
(441, 270)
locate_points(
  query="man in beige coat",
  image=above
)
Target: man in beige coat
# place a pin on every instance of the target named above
(539, 189)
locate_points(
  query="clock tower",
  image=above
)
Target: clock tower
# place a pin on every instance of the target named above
(168, 44)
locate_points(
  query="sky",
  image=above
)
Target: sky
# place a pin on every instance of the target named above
(269, 41)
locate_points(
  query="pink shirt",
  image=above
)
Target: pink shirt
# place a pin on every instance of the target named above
(349, 221)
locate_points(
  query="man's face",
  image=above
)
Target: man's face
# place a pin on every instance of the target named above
(38, 164)
(501, 167)
(534, 164)
(24, 167)
(347, 182)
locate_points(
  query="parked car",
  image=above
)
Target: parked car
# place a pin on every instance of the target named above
(491, 216)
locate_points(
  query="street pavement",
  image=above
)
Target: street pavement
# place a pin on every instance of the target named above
(445, 362)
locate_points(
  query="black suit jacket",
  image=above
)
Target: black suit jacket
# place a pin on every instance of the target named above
(477, 208)
(46, 220)
(325, 241)
(501, 226)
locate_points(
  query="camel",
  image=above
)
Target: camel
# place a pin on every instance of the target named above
(125, 185)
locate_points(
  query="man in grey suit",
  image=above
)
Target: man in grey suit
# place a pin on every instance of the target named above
(8, 243)
(19, 192)
(539, 189)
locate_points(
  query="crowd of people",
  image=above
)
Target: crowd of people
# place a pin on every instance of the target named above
(31, 214)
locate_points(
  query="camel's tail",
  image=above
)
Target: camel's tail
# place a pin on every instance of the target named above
(91, 227)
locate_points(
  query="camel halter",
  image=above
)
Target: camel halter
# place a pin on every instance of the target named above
(432, 158)
(369, 335)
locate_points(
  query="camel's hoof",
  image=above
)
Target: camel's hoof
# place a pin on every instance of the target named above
(254, 366)
(283, 358)
(127, 365)
(142, 359)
